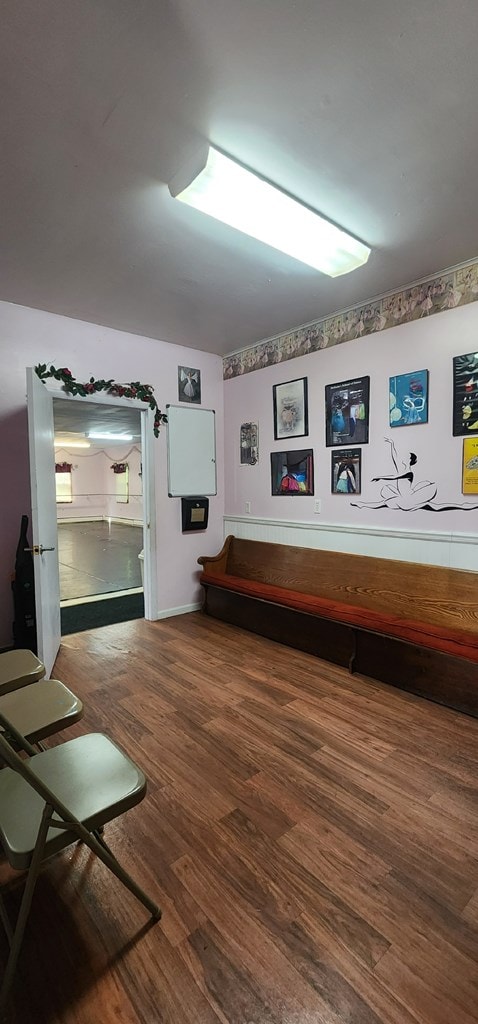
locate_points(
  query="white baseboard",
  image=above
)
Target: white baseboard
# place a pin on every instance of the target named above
(183, 610)
(99, 519)
(456, 550)
(119, 519)
(80, 519)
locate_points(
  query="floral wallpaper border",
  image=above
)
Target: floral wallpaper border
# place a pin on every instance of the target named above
(444, 291)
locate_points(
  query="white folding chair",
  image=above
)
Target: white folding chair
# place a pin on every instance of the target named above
(54, 798)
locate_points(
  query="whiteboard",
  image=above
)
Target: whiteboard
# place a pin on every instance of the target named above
(191, 434)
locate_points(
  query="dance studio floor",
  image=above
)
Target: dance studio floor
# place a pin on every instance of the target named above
(98, 558)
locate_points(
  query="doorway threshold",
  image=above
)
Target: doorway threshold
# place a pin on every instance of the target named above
(73, 601)
(105, 611)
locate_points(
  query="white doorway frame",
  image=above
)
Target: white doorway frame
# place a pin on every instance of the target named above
(148, 440)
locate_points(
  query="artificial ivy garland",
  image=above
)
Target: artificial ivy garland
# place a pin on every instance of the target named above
(143, 392)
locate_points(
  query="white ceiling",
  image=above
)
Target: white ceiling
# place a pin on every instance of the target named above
(81, 417)
(365, 109)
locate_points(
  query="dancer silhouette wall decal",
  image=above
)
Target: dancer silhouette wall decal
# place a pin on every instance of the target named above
(401, 489)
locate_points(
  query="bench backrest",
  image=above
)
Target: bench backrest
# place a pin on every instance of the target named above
(409, 590)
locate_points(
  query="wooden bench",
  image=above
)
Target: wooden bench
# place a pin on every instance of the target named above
(414, 626)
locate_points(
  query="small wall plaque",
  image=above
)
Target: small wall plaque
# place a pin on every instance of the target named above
(194, 513)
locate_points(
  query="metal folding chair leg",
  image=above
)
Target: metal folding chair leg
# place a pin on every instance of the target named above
(25, 906)
(102, 851)
(6, 921)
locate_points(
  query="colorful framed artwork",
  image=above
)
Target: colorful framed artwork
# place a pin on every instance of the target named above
(470, 465)
(346, 464)
(291, 418)
(249, 444)
(292, 472)
(189, 385)
(347, 412)
(465, 394)
(409, 398)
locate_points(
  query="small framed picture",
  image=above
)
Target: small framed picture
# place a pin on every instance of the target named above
(292, 472)
(290, 409)
(465, 394)
(346, 471)
(189, 385)
(347, 412)
(470, 465)
(409, 399)
(249, 444)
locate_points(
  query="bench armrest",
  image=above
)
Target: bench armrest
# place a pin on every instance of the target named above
(216, 565)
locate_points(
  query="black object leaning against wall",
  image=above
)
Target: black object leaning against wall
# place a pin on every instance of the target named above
(23, 587)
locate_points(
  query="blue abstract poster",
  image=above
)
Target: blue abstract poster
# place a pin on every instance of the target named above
(409, 399)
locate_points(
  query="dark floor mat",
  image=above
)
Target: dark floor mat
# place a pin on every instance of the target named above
(79, 617)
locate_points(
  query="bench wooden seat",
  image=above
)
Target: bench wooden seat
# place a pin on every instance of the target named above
(413, 625)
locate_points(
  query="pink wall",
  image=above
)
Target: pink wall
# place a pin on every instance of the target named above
(88, 474)
(93, 482)
(30, 336)
(424, 344)
(134, 508)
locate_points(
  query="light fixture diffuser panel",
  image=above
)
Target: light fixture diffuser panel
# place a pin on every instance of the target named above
(65, 442)
(237, 197)
(98, 436)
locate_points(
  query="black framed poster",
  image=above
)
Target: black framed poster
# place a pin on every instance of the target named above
(465, 394)
(292, 472)
(347, 412)
(290, 409)
(346, 465)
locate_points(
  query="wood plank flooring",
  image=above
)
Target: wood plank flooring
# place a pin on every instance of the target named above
(311, 836)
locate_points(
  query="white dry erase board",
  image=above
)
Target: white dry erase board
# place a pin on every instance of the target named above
(191, 434)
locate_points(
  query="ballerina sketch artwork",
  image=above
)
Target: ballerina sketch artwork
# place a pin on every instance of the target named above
(404, 490)
(290, 409)
(189, 385)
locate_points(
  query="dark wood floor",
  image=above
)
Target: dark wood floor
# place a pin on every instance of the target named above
(311, 836)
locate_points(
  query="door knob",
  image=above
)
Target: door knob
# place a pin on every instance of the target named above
(38, 549)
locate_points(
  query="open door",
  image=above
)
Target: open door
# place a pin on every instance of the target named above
(44, 525)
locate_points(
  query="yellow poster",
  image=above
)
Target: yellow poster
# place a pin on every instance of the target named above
(470, 465)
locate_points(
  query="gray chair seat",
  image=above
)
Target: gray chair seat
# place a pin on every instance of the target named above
(42, 709)
(90, 775)
(19, 668)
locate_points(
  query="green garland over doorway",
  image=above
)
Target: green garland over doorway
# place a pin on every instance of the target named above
(71, 386)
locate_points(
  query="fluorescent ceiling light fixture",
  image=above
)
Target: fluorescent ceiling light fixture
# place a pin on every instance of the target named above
(63, 442)
(229, 192)
(110, 437)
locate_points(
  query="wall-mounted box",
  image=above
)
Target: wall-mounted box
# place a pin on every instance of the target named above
(194, 513)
